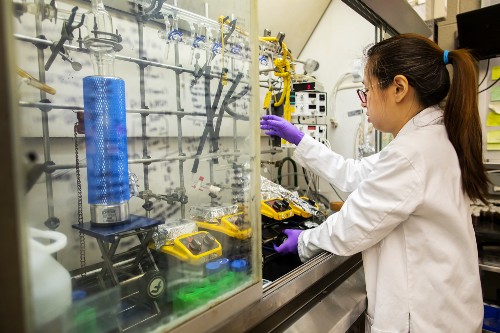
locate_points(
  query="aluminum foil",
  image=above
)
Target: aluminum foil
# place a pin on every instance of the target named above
(211, 214)
(273, 190)
(168, 232)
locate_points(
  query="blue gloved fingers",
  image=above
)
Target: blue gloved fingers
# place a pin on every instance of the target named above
(271, 123)
(273, 120)
(282, 248)
(271, 117)
(270, 128)
(282, 128)
(272, 132)
(290, 245)
(265, 126)
(277, 124)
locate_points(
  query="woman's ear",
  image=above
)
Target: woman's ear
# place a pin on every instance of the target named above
(401, 87)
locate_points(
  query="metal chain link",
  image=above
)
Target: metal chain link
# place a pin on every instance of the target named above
(79, 196)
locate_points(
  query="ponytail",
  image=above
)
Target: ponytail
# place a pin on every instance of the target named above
(461, 118)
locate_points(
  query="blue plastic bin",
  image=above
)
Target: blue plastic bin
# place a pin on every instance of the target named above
(491, 320)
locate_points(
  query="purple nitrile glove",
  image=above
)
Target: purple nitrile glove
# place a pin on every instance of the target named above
(274, 125)
(291, 243)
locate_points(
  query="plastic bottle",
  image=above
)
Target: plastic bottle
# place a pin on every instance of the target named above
(50, 281)
(240, 269)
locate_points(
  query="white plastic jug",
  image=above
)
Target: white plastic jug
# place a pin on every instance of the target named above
(50, 281)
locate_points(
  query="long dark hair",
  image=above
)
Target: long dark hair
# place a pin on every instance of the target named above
(421, 61)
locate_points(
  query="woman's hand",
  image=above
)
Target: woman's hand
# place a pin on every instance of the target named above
(274, 125)
(291, 243)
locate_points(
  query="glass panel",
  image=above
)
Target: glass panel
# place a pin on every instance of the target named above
(141, 200)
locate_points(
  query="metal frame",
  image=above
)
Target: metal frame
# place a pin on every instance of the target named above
(14, 285)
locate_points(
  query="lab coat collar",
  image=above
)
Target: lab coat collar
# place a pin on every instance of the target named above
(433, 115)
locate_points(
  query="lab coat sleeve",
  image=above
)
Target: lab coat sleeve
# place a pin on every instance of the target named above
(345, 174)
(384, 200)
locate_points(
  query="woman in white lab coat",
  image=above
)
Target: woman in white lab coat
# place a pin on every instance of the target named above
(408, 210)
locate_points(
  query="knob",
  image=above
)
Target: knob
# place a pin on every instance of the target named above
(195, 245)
(208, 240)
(239, 221)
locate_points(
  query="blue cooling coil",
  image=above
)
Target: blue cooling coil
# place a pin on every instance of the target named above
(106, 140)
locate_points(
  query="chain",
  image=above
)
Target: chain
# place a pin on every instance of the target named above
(79, 195)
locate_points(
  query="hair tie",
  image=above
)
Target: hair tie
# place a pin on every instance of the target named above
(445, 57)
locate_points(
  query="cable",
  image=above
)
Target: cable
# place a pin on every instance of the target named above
(491, 85)
(337, 193)
(333, 188)
(294, 165)
(485, 74)
(327, 144)
(338, 87)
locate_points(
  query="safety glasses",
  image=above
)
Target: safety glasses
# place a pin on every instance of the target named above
(362, 95)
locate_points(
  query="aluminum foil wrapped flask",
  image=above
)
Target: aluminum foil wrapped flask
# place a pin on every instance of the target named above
(106, 149)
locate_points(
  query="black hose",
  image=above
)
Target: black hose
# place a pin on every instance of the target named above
(294, 165)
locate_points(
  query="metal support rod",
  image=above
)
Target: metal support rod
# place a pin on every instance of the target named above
(48, 106)
(45, 117)
(144, 137)
(183, 158)
(145, 154)
(179, 129)
(212, 179)
(235, 137)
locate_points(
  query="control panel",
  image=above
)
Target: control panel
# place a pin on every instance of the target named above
(317, 132)
(310, 103)
(195, 248)
(276, 209)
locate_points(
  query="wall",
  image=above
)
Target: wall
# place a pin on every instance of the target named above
(339, 38)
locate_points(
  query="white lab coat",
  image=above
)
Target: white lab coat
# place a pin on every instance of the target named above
(409, 217)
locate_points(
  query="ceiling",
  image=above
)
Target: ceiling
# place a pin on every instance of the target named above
(295, 18)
